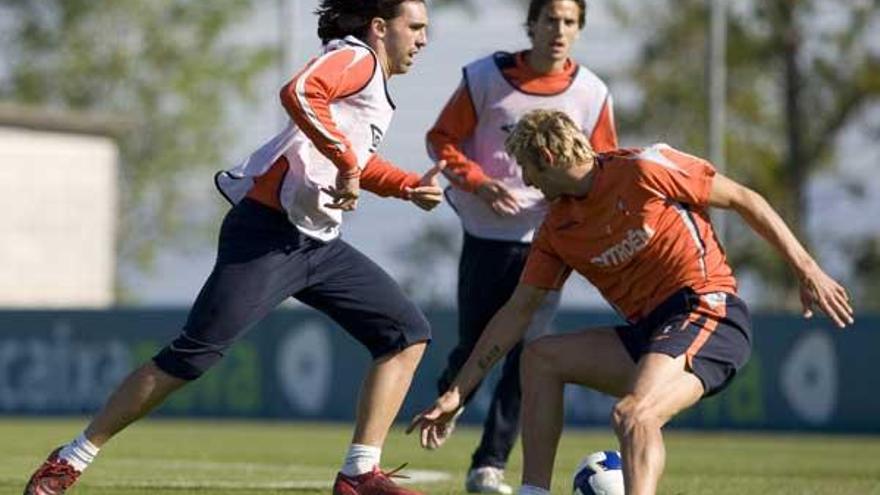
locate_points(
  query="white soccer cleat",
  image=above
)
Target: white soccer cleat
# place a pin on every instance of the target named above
(487, 479)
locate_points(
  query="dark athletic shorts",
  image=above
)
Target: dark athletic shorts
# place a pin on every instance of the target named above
(713, 330)
(262, 260)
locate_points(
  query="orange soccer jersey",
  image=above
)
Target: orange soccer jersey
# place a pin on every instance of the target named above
(641, 233)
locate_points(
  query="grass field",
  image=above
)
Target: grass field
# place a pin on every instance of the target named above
(179, 457)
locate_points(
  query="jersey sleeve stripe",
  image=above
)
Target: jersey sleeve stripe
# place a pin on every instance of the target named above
(303, 102)
(305, 80)
(654, 155)
(691, 227)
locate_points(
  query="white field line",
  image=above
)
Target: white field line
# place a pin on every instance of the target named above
(276, 471)
(415, 476)
(159, 464)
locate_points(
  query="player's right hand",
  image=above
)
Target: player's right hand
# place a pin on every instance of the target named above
(498, 197)
(820, 290)
(436, 423)
(346, 192)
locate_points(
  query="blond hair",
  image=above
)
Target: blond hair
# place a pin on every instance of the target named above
(551, 130)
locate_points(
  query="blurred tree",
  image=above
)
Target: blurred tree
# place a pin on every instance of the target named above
(426, 257)
(167, 65)
(800, 72)
(467, 4)
(867, 263)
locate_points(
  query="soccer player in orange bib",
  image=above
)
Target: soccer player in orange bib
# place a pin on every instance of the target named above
(281, 239)
(635, 223)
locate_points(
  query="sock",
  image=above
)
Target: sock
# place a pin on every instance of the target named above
(79, 453)
(532, 490)
(360, 459)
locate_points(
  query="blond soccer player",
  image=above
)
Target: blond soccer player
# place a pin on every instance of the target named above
(635, 223)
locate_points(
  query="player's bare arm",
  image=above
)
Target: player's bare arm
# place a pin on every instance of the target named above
(817, 288)
(506, 328)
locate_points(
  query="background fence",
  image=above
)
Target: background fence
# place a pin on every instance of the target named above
(803, 374)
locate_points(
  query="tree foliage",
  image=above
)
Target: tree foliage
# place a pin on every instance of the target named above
(426, 256)
(800, 73)
(167, 66)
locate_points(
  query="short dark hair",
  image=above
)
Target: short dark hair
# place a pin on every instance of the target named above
(341, 18)
(535, 7)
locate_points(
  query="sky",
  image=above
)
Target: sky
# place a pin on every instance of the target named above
(380, 226)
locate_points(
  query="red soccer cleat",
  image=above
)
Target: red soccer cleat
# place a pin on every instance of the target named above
(54, 477)
(376, 482)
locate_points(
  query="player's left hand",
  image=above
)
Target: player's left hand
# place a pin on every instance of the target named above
(435, 423)
(820, 290)
(428, 194)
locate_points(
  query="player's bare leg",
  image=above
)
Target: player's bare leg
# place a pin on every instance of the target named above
(142, 391)
(382, 393)
(594, 358)
(662, 388)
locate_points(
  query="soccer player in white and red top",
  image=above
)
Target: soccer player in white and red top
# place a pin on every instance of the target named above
(281, 240)
(498, 212)
(635, 224)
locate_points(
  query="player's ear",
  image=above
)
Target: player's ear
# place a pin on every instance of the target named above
(378, 26)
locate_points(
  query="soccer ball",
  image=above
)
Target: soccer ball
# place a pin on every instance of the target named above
(599, 474)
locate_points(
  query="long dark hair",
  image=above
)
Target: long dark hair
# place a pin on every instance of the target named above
(341, 18)
(535, 7)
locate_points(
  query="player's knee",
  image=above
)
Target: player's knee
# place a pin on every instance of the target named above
(537, 357)
(633, 414)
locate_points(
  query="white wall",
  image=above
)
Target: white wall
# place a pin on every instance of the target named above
(58, 210)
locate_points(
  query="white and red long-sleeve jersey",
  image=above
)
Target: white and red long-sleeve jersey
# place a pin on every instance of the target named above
(469, 134)
(339, 109)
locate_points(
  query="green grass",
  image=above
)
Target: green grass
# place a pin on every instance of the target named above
(179, 457)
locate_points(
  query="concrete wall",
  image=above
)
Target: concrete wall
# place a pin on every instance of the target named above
(59, 208)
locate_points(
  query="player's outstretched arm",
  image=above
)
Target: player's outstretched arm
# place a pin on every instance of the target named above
(385, 179)
(817, 288)
(506, 328)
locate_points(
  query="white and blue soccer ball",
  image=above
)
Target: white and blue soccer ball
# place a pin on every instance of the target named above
(599, 473)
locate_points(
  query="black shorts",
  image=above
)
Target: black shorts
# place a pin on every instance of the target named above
(262, 260)
(713, 330)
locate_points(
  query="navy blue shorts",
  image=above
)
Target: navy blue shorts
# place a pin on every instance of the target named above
(713, 330)
(262, 260)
